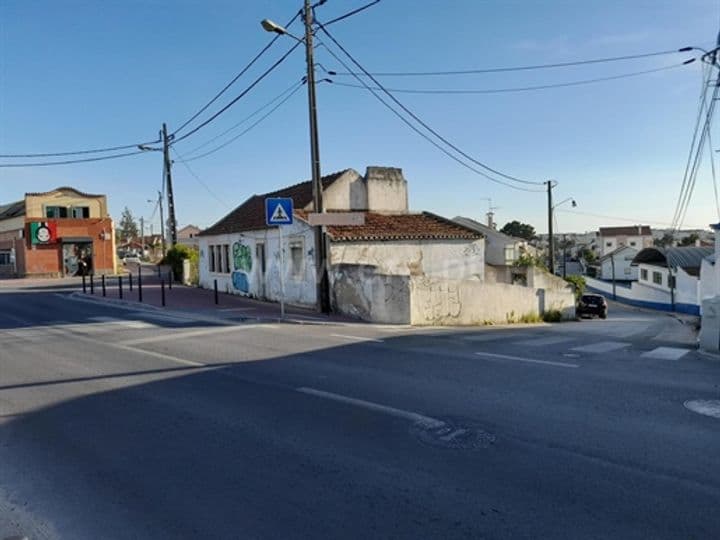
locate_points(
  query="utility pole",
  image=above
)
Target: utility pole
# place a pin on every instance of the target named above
(551, 241)
(323, 292)
(142, 237)
(168, 178)
(162, 222)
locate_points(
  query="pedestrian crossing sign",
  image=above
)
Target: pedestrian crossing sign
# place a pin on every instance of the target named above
(278, 211)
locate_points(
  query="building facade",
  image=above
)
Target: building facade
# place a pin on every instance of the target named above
(612, 238)
(62, 232)
(617, 265)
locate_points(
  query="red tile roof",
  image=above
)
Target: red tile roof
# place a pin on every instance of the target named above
(250, 215)
(631, 230)
(386, 227)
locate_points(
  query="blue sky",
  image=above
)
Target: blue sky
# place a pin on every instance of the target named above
(77, 75)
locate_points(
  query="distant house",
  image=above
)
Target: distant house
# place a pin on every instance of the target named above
(188, 235)
(635, 236)
(501, 250)
(617, 265)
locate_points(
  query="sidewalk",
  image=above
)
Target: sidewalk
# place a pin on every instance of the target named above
(195, 301)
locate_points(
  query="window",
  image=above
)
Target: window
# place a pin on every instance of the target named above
(608, 244)
(218, 259)
(5, 257)
(627, 271)
(212, 258)
(509, 254)
(671, 282)
(260, 256)
(657, 278)
(56, 212)
(80, 212)
(643, 274)
(296, 259)
(226, 258)
(633, 243)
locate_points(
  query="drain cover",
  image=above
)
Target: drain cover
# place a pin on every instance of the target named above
(708, 407)
(454, 434)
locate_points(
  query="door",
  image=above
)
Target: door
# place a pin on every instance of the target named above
(77, 258)
(260, 258)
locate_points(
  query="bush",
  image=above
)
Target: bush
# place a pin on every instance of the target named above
(552, 315)
(579, 283)
(175, 257)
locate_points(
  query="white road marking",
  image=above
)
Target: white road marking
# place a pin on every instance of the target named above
(708, 407)
(492, 336)
(666, 353)
(417, 418)
(601, 347)
(528, 360)
(542, 342)
(357, 338)
(195, 333)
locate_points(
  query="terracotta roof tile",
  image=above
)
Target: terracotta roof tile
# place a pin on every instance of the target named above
(250, 215)
(387, 227)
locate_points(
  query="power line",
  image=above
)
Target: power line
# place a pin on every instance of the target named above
(430, 140)
(351, 13)
(251, 126)
(241, 95)
(68, 162)
(234, 80)
(417, 119)
(515, 68)
(80, 152)
(522, 88)
(616, 218)
(714, 176)
(199, 180)
(248, 117)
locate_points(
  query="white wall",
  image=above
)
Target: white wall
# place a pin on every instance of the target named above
(615, 242)
(386, 190)
(347, 193)
(623, 269)
(453, 259)
(649, 281)
(709, 280)
(298, 290)
(687, 289)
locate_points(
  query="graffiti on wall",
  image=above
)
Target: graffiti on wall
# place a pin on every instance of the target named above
(242, 264)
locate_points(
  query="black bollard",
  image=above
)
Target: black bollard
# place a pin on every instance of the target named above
(120, 293)
(103, 285)
(84, 285)
(92, 283)
(216, 293)
(139, 284)
(170, 279)
(130, 278)
(162, 292)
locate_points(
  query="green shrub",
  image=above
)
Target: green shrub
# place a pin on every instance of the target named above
(175, 257)
(579, 283)
(552, 315)
(530, 317)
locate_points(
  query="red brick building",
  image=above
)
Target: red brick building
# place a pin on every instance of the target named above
(62, 232)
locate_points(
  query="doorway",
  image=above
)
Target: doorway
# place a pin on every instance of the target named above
(260, 257)
(77, 259)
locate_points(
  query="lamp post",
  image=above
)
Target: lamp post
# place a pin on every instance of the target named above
(551, 214)
(323, 293)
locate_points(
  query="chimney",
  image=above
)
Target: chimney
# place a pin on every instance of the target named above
(490, 221)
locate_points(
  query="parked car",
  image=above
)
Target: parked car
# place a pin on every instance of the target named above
(131, 260)
(592, 304)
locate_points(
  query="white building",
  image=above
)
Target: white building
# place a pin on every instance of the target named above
(635, 236)
(617, 265)
(244, 255)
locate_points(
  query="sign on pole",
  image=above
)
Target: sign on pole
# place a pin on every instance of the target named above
(279, 211)
(337, 218)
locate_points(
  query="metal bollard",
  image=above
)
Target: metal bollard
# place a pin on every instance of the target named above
(92, 283)
(103, 285)
(216, 292)
(130, 278)
(162, 292)
(139, 284)
(120, 293)
(159, 271)
(170, 279)
(84, 285)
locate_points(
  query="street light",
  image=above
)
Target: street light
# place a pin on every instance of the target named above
(552, 242)
(323, 292)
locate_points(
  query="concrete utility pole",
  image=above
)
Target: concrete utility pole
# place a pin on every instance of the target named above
(323, 292)
(168, 178)
(142, 237)
(162, 222)
(551, 241)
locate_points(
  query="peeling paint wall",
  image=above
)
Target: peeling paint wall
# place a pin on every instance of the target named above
(299, 286)
(471, 302)
(453, 259)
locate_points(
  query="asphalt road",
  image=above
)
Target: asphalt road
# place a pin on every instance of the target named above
(120, 424)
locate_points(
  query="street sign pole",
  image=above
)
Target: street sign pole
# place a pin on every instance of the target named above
(282, 274)
(279, 212)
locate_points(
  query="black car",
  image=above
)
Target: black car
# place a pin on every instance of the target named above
(592, 304)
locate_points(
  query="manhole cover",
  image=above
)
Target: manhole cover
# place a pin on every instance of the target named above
(454, 434)
(708, 407)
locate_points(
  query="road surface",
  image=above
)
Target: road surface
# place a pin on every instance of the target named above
(122, 424)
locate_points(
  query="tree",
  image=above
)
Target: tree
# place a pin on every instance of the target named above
(588, 255)
(689, 240)
(128, 228)
(519, 230)
(666, 240)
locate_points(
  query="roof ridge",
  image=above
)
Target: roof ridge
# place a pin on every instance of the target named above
(335, 174)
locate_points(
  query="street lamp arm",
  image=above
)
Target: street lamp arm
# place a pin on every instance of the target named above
(270, 26)
(564, 201)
